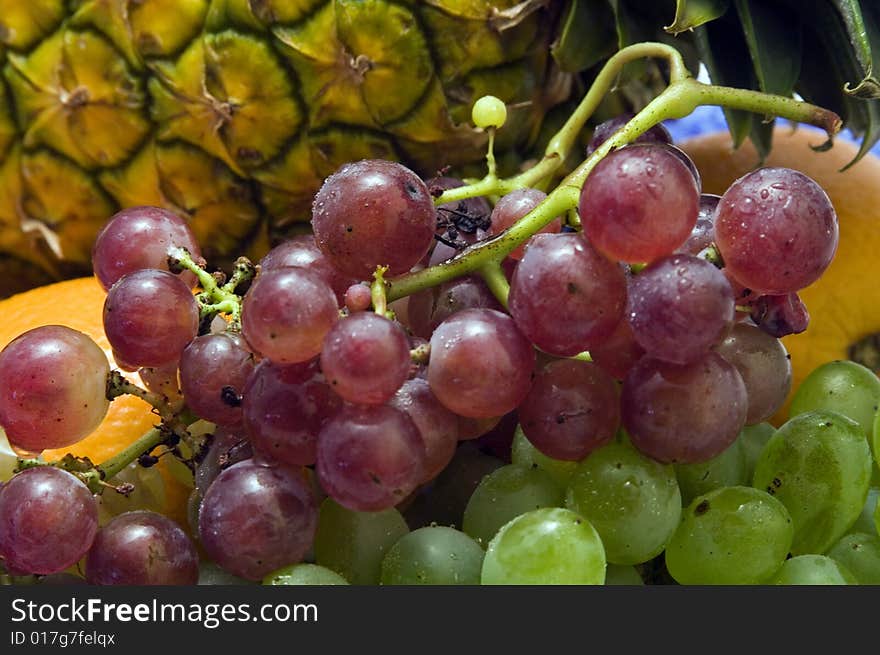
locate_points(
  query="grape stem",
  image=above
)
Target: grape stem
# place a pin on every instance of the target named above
(377, 293)
(217, 296)
(680, 98)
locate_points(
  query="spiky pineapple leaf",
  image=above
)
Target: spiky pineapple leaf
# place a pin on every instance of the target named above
(693, 13)
(866, 47)
(587, 35)
(774, 43)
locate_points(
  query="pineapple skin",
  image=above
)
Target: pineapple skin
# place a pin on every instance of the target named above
(232, 112)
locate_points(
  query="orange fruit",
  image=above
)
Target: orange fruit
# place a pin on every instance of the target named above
(844, 304)
(78, 304)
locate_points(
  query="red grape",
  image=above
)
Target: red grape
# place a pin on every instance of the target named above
(373, 213)
(619, 352)
(255, 519)
(141, 237)
(370, 457)
(481, 364)
(571, 409)
(283, 412)
(679, 307)
(605, 130)
(53, 388)
(683, 413)
(142, 548)
(565, 296)
(149, 317)
(763, 363)
(512, 207)
(366, 358)
(213, 372)
(302, 251)
(429, 308)
(639, 204)
(48, 520)
(286, 314)
(776, 230)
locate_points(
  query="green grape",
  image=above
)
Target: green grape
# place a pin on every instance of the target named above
(818, 464)
(489, 111)
(866, 520)
(633, 502)
(728, 469)
(211, 575)
(877, 518)
(522, 452)
(354, 543)
(876, 441)
(148, 492)
(433, 556)
(304, 574)
(619, 575)
(840, 386)
(732, 535)
(860, 553)
(503, 495)
(550, 546)
(812, 570)
(752, 440)
(443, 501)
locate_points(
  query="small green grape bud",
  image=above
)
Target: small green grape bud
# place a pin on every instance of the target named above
(489, 111)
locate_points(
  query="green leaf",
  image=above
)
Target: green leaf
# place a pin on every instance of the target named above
(723, 50)
(866, 47)
(693, 13)
(587, 35)
(773, 38)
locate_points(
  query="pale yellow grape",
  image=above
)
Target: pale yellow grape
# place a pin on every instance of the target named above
(812, 570)
(489, 111)
(524, 453)
(304, 574)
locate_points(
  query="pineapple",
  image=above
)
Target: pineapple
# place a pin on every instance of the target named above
(232, 112)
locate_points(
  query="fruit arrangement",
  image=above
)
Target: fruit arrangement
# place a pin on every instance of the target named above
(554, 377)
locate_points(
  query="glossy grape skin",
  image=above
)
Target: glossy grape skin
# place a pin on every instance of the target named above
(225, 448)
(373, 213)
(141, 237)
(819, 465)
(776, 230)
(703, 234)
(435, 555)
(437, 426)
(370, 457)
(301, 251)
(481, 364)
(513, 206)
(639, 204)
(727, 469)
(620, 575)
(286, 314)
(365, 358)
(357, 298)
(730, 536)
(255, 519)
(503, 495)
(812, 570)
(53, 383)
(565, 296)
(524, 453)
(353, 544)
(48, 520)
(840, 386)
(571, 409)
(618, 353)
(752, 440)
(142, 548)
(869, 518)
(149, 317)
(860, 554)
(214, 367)
(764, 365)
(430, 307)
(304, 574)
(633, 502)
(779, 316)
(284, 408)
(543, 547)
(683, 413)
(605, 130)
(679, 307)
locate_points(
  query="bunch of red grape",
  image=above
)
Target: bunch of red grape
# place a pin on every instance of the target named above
(658, 313)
